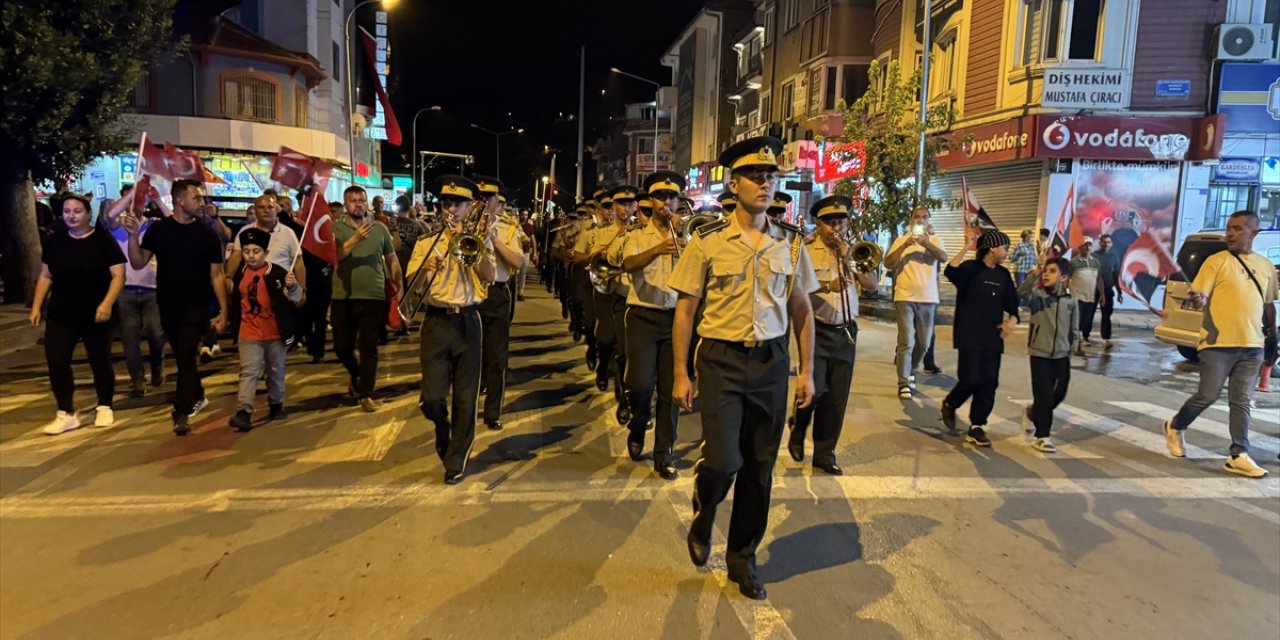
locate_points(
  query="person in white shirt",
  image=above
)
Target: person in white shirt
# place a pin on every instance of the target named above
(914, 259)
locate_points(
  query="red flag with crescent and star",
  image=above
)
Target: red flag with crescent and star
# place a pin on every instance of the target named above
(310, 176)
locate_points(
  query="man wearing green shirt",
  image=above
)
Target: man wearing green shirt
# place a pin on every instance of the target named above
(366, 258)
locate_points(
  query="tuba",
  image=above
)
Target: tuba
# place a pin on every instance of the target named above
(690, 225)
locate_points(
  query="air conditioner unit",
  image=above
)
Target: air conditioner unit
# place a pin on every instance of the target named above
(358, 124)
(1245, 42)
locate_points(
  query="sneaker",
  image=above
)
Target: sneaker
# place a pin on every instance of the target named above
(200, 404)
(904, 393)
(977, 436)
(242, 421)
(1027, 424)
(1107, 344)
(1243, 465)
(368, 405)
(277, 412)
(137, 388)
(948, 415)
(1080, 351)
(180, 426)
(1174, 439)
(206, 355)
(1044, 445)
(215, 350)
(932, 369)
(104, 417)
(63, 423)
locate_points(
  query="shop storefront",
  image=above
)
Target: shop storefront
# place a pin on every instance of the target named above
(1248, 177)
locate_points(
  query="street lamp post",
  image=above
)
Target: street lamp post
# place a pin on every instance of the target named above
(351, 84)
(497, 143)
(413, 160)
(657, 92)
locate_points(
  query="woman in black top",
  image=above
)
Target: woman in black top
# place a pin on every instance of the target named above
(82, 275)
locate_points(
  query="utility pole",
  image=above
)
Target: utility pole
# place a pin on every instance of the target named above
(924, 96)
(582, 107)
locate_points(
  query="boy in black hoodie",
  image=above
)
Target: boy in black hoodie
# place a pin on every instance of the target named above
(986, 313)
(264, 296)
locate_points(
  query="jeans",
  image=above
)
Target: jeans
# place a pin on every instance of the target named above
(1020, 277)
(978, 371)
(255, 356)
(1087, 309)
(1108, 307)
(1049, 380)
(522, 275)
(140, 317)
(356, 324)
(915, 333)
(184, 328)
(1217, 365)
(59, 345)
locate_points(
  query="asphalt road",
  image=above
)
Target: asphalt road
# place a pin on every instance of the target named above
(335, 524)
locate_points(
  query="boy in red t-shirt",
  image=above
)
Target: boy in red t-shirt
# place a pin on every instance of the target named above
(262, 314)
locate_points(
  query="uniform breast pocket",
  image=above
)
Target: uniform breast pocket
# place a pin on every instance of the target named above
(726, 271)
(780, 269)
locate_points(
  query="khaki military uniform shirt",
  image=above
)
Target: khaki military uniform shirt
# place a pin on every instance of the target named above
(509, 235)
(455, 285)
(827, 305)
(649, 286)
(744, 289)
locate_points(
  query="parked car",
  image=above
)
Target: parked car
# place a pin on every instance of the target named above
(1180, 326)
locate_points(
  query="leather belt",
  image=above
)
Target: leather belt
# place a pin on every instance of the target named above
(433, 310)
(745, 344)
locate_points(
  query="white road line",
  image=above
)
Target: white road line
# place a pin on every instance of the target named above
(1136, 436)
(28, 505)
(1202, 424)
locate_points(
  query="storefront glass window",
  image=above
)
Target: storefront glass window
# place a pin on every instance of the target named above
(1269, 208)
(1225, 199)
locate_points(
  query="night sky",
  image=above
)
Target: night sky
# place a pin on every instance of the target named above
(506, 65)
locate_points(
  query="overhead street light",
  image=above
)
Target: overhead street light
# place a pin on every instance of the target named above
(657, 91)
(497, 139)
(413, 167)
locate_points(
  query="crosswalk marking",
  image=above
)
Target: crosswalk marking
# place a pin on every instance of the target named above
(1136, 436)
(1203, 423)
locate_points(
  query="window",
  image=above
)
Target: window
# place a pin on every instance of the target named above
(247, 95)
(788, 97)
(768, 26)
(790, 14)
(855, 82)
(829, 95)
(140, 97)
(1224, 200)
(1049, 26)
(814, 37)
(942, 70)
(337, 63)
(299, 107)
(766, 108)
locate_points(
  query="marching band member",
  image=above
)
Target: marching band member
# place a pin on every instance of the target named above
(835, 335)
(495, 311)
(755, 278)
(581, 258)
(449, 351)
(728, 201)
(778, 210)
(649, 257)
(611, 306)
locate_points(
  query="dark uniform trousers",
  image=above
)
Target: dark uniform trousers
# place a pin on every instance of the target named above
(650, 363)
(611, 335)
(833, 356)
(580, 295)
(744, 411)
(450, 358)
(495, 317)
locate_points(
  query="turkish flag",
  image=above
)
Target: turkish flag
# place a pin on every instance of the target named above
(171, 163)
(393, 126)
(310, 176)
(974, 214)
(1145, 265)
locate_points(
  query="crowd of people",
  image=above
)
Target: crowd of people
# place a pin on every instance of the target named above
(678, 306)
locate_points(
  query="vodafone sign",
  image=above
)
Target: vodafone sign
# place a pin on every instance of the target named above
(1114, 138)
(999, 142)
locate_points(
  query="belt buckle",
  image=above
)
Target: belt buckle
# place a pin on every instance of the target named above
(752, 344)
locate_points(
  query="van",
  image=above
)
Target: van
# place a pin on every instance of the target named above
(1181, 323)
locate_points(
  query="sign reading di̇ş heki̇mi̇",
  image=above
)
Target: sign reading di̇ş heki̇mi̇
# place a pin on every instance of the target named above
(1086, 89)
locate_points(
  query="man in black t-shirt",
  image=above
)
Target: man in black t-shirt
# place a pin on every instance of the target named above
(188, 270)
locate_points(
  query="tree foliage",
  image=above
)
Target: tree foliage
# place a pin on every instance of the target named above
(886, 119)
(67, 67)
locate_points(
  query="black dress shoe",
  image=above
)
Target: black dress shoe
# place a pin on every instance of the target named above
(452, 477)
(496, 425)
(623, 414)
(591, 360)
(830, 467)
(602, 384)
(180, 426)
(750, 586)
(796, 449)
(635, 450)
(699, 550)
(666, 471)
(577, 334)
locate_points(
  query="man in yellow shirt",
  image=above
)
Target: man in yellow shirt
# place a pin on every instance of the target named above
(1237, 289)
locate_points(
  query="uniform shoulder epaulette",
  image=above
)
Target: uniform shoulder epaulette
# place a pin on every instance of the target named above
(788, 226)
(810, 239)
(712, 227)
